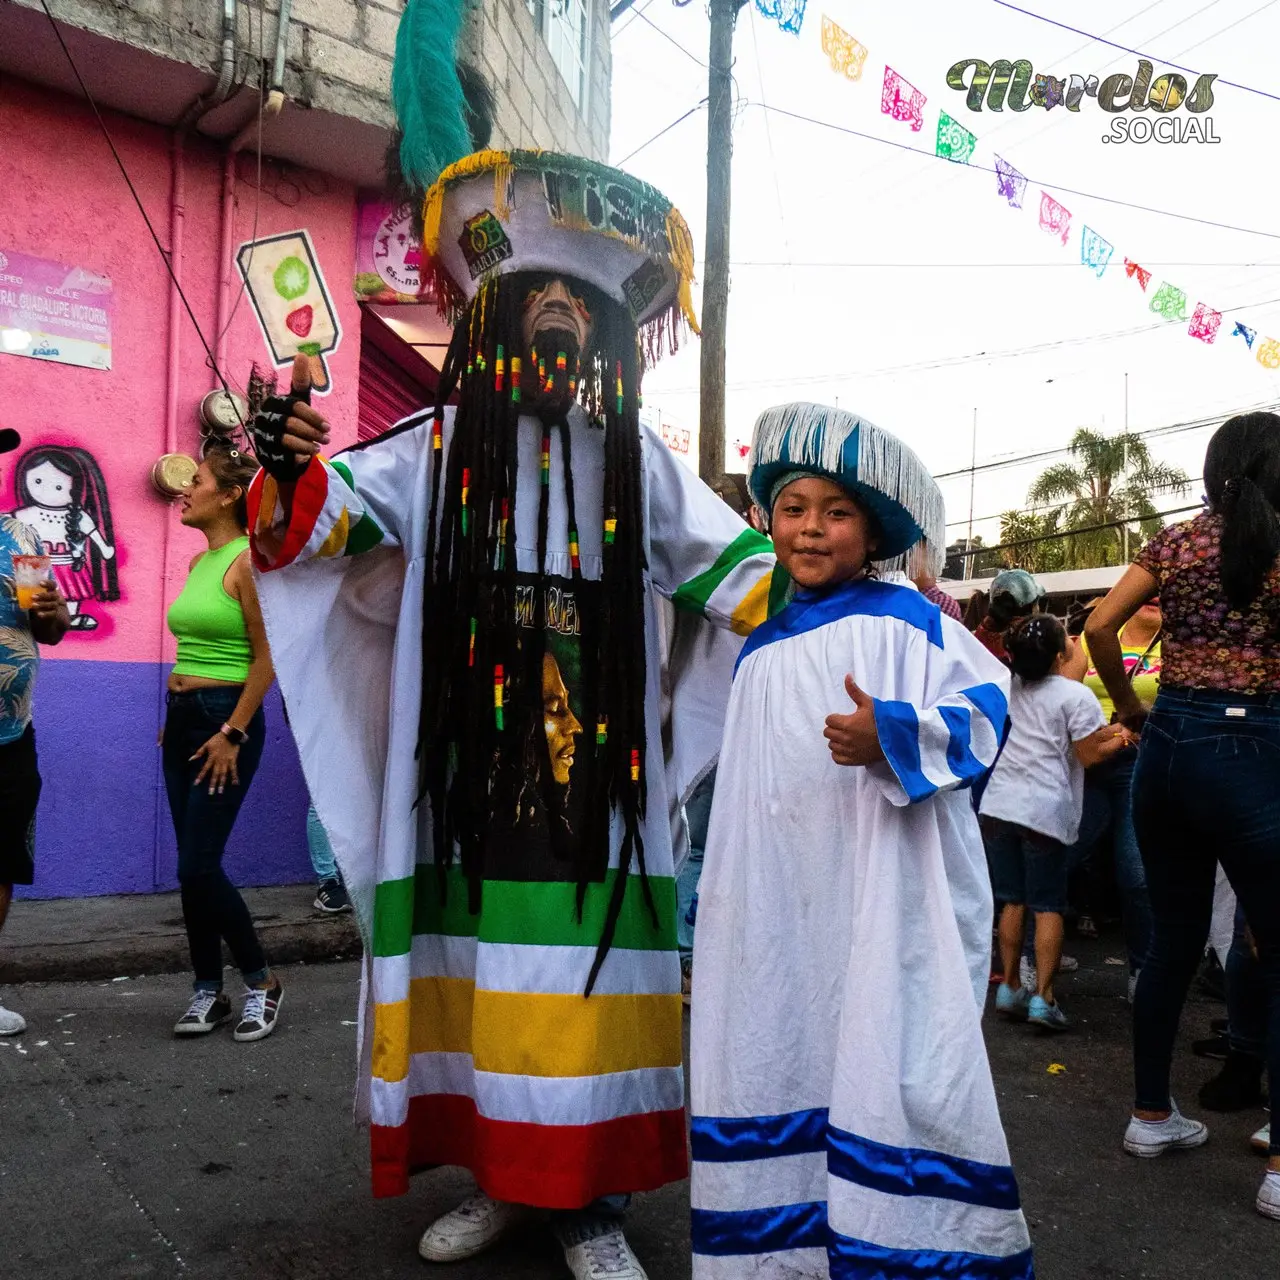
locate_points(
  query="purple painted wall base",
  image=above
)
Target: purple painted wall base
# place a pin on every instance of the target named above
(104, 826)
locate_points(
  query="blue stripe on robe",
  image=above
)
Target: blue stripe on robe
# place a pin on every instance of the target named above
(723, 1138)
(810, 610)
(748, 1231)
(913, 1171)
(851, 1259)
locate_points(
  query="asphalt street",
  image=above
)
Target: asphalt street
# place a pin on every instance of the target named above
(126, 1153)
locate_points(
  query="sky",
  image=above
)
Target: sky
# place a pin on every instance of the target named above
(904, 287)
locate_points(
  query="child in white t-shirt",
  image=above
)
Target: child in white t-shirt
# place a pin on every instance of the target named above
(1031, 808)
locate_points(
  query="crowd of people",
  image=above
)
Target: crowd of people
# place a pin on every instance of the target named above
(520, 799)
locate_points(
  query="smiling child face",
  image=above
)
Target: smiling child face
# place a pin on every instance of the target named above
(821, 535)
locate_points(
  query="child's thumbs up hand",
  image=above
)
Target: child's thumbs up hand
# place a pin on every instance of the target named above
(852, 738)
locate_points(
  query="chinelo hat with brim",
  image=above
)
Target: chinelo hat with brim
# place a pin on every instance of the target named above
(498, 213)
(794, 440)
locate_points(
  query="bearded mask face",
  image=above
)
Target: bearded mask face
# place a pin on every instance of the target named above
(556, 325)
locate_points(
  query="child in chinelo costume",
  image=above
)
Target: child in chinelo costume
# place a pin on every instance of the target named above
(463, 619)
(845, 1123)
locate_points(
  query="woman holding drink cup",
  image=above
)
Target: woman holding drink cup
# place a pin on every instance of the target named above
(32, 611)
(212, 740)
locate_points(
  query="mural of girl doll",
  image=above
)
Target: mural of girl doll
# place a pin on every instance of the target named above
(64, 500)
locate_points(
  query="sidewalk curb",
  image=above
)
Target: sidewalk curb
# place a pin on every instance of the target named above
(112, 958)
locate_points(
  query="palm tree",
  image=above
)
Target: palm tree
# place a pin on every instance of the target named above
(1109, 479)
(1029, 542)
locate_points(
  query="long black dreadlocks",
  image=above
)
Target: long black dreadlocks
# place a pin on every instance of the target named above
(482, 700)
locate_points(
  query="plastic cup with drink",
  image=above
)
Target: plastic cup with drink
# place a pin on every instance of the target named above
(30, 574)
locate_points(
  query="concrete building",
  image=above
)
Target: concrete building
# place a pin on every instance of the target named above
(101, 362)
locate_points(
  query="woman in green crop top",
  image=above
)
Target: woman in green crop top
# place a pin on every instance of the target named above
(213, 737)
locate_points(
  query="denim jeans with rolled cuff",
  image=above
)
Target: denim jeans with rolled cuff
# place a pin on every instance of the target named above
(212, 907)
(1206, 790)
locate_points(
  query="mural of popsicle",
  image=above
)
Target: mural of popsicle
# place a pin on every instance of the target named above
(283, 280)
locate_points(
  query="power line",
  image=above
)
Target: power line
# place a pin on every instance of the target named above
(640, 13)
(137, 199)
(1124, 48)
(1031, 511)
(1076, 533)
(1041, 182)
(665, 130)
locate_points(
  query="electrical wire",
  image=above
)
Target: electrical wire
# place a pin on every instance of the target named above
(697, 106)
(1124, 48)
(1078, 533)
(137, 199)
(1041, 182)
(1030, 511)
(671, 40)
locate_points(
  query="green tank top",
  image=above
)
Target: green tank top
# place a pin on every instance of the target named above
(213, 642)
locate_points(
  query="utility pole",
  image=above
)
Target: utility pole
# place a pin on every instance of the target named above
(715, 285)
(1125, 526)
(973, 473)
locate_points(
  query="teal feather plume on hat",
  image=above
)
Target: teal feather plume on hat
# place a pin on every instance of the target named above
(426, 91)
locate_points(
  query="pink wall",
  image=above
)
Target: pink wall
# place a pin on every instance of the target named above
(64, 199)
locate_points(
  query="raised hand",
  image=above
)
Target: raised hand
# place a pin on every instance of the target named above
(853, 738)
(287, 431)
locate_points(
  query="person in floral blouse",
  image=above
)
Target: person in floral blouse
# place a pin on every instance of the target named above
(1206, 789)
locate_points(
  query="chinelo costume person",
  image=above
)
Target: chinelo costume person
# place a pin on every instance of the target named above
(845, 1122)
(463, 618)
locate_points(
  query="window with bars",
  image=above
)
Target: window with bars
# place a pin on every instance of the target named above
(566, 28)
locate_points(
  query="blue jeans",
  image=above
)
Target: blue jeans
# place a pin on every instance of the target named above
(212, 907)
(698, 815)
(318, 846)
(1246, 996)
(1206, 790)
(1108, 809)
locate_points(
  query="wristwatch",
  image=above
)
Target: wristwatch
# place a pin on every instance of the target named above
(237, 737)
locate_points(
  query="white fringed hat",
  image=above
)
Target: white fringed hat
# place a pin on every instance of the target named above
(872, 464)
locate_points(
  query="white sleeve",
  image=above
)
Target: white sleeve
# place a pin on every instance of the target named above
(951, 738)
(1083, 712)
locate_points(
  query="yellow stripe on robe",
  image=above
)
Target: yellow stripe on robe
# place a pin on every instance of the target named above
(336, 542)
(515, 1033)
(752, 609)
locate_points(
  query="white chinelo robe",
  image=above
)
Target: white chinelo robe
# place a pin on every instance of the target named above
(844, 1118)
(477, 1046)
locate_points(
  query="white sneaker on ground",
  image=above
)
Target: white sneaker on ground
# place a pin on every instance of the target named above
(1261, 1141)
(472, 1227)
(1268, 1201)
(11, 1024)
(1027, 970)
(1154, 1137)
(604, 1257)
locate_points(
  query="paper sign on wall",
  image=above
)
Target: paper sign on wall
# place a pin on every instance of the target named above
(283, 280)
(50, 311)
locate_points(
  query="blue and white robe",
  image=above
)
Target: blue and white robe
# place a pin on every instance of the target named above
(844, 1119)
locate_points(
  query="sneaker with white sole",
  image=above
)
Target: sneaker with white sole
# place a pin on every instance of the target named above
(1027, 970)
(1012, 1004)
(607, 1256)
(1148, 1138)
(11, 1024)
(1261, 1141)
(1040, 1013)
(261, 1009)
(207, 1011)
(331, 898)
(471, 1228)
(1268, 1201)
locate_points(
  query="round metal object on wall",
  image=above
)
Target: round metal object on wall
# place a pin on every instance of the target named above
(173, 473)
(223, 411)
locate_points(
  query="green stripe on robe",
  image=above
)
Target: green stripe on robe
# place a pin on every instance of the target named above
(694, 594)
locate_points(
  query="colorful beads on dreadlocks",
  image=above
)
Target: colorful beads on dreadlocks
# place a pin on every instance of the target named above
(574, 558)
(635, 765)
(466, 493)
(619, 386)
(437, 431)
(498, 370)
(515, 379)
(546, 455)
(602, 733)
(502, 534)
(471, 654)
(610, 530)
(498, 684)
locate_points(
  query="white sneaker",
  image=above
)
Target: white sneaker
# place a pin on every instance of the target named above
(1268, 1201)
(472, 1227)
(11, 1024)
(1261, 1141)
(604, 1257)
(1154, 1137)
(1027, 970)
